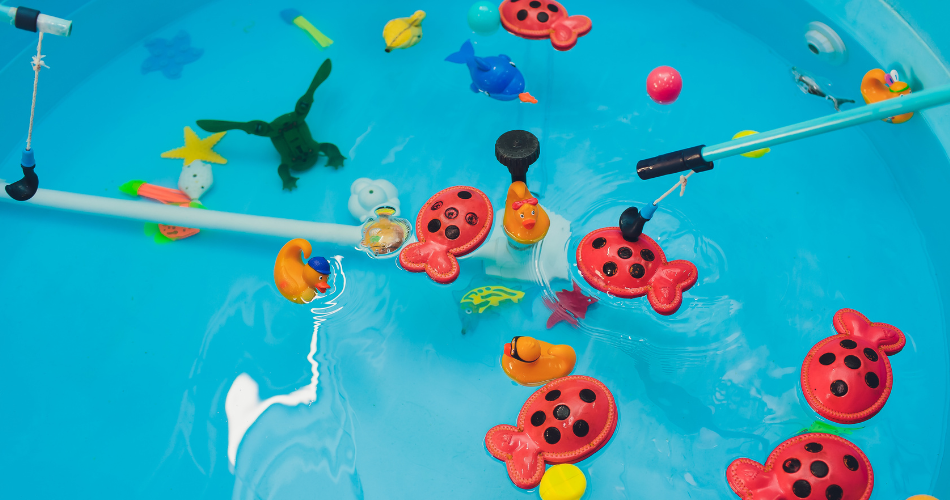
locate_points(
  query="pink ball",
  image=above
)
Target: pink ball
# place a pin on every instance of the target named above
(664, 85)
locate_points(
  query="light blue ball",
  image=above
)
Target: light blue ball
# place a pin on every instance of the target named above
(483, 18)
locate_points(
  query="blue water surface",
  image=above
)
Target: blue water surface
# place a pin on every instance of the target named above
(120, 355)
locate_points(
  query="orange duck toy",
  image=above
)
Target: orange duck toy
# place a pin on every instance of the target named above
(525, 221)
(532, 362)
(299, 281)
(879, 86)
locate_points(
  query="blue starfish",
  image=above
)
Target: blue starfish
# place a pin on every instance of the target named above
(170, 56)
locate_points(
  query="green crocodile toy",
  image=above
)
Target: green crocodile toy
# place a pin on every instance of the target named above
(290, 135)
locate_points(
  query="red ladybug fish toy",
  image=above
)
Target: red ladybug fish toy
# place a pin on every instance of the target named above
(537, 20)
(452, 223)
(565, 421)
(810, 466)
(626, 263)
(847, 378)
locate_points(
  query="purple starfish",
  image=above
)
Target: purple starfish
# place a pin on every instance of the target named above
(170, 56)
(569, 306)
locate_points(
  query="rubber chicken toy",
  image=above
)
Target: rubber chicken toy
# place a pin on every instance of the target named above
(299, 281)
(533, 362)
(525, 221)
(403, 32)
(877, 86)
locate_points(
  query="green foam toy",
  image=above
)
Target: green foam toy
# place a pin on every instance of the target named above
(290, 135)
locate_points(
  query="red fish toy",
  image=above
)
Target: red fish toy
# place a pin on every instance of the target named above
(452, 223)
(563, 422)
(628, 264)
(809, 466)
(537, 20)
(847, 378)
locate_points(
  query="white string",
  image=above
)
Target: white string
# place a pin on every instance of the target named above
(37, 64)
(681, 184)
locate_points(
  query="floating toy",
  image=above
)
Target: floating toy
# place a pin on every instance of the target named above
(846, 378)
(167, 233)
(877, 86)
(570, 306)
(384, 234)
(537, 20)
(496, 76)
(664, 85)
(163, 233)
(478, 300)
(300, 281)
(808, 466)
(366, 195)
(565, 421)
(626, 263)
(758, 153)
(484, 300)
(563, 482)
(290, 135)
(403, 32)
(824, 427)
(525, 222)
(170, 56)
(197, 149)
(483, 18)
(533, 362)
(808, 84)
(921, 497)
(28, 19)
(295, 17)
(194, 180)
(527, 97)
(454, 222)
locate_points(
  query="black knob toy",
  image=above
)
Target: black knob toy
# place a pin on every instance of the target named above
(517, 150)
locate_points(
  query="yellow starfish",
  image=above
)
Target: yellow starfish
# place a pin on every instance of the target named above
(197, 149)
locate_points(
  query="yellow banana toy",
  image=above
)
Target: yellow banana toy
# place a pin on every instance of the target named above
(403, 32)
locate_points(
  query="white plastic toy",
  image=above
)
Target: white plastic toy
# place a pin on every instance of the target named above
(366, 195)
(195, 179)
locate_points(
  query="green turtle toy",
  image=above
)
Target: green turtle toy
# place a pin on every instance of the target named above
(290, 135)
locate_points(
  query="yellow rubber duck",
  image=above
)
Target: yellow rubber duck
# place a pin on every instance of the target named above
(299, 281)
(525, 221)
(403, 32)
(533, 362)
(877, 86)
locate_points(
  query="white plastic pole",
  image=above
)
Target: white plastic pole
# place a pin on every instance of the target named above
(321, 232)
(44, 23)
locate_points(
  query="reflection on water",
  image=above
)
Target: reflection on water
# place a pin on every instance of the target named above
(319, 451)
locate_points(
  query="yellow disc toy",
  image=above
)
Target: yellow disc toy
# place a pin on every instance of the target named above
(758, 153)
(918, 497)
(563, 482)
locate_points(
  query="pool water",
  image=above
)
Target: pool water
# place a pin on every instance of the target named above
(142, 370)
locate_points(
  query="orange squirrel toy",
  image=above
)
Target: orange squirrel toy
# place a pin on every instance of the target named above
(299, 281)
(877, 86)
(533, 362)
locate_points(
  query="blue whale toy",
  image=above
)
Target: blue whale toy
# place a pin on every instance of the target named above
(496, 76)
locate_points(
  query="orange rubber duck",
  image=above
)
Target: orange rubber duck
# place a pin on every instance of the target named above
(533, 362)
(877, 86)
(525, 221)
(299, 281)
